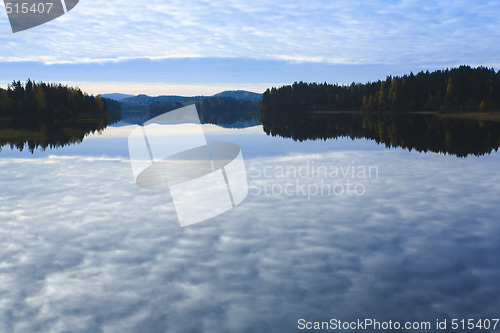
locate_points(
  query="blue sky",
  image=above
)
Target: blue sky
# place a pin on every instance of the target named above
(200, 47)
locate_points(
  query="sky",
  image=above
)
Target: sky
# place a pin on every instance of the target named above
(195, 47)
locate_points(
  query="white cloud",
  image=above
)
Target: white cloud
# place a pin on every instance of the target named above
(445, 32)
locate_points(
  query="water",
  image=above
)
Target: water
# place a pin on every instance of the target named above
(331, 229)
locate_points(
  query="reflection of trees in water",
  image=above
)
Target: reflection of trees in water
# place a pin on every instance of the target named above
(47, 135)
(460, 137)
(214, 110)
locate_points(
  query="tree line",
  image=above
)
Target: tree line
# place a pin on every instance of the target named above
(457, 89)
(33, 104)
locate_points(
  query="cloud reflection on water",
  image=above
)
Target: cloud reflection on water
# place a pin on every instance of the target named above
(84, 249)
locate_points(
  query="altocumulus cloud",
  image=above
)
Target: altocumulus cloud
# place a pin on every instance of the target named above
(444, 32)
(85, 250)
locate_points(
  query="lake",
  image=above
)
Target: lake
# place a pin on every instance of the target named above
(357, 224)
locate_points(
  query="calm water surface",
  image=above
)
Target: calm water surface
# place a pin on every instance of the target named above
(331, 229)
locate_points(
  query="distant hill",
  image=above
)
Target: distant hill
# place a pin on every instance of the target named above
(137, 109)
(240, 94)
(214, 110)
(141, 100)
(116, 96)
(146, 100)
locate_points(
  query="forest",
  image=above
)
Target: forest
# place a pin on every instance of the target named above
(33, 104)
(450, 90)
(42, 115)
